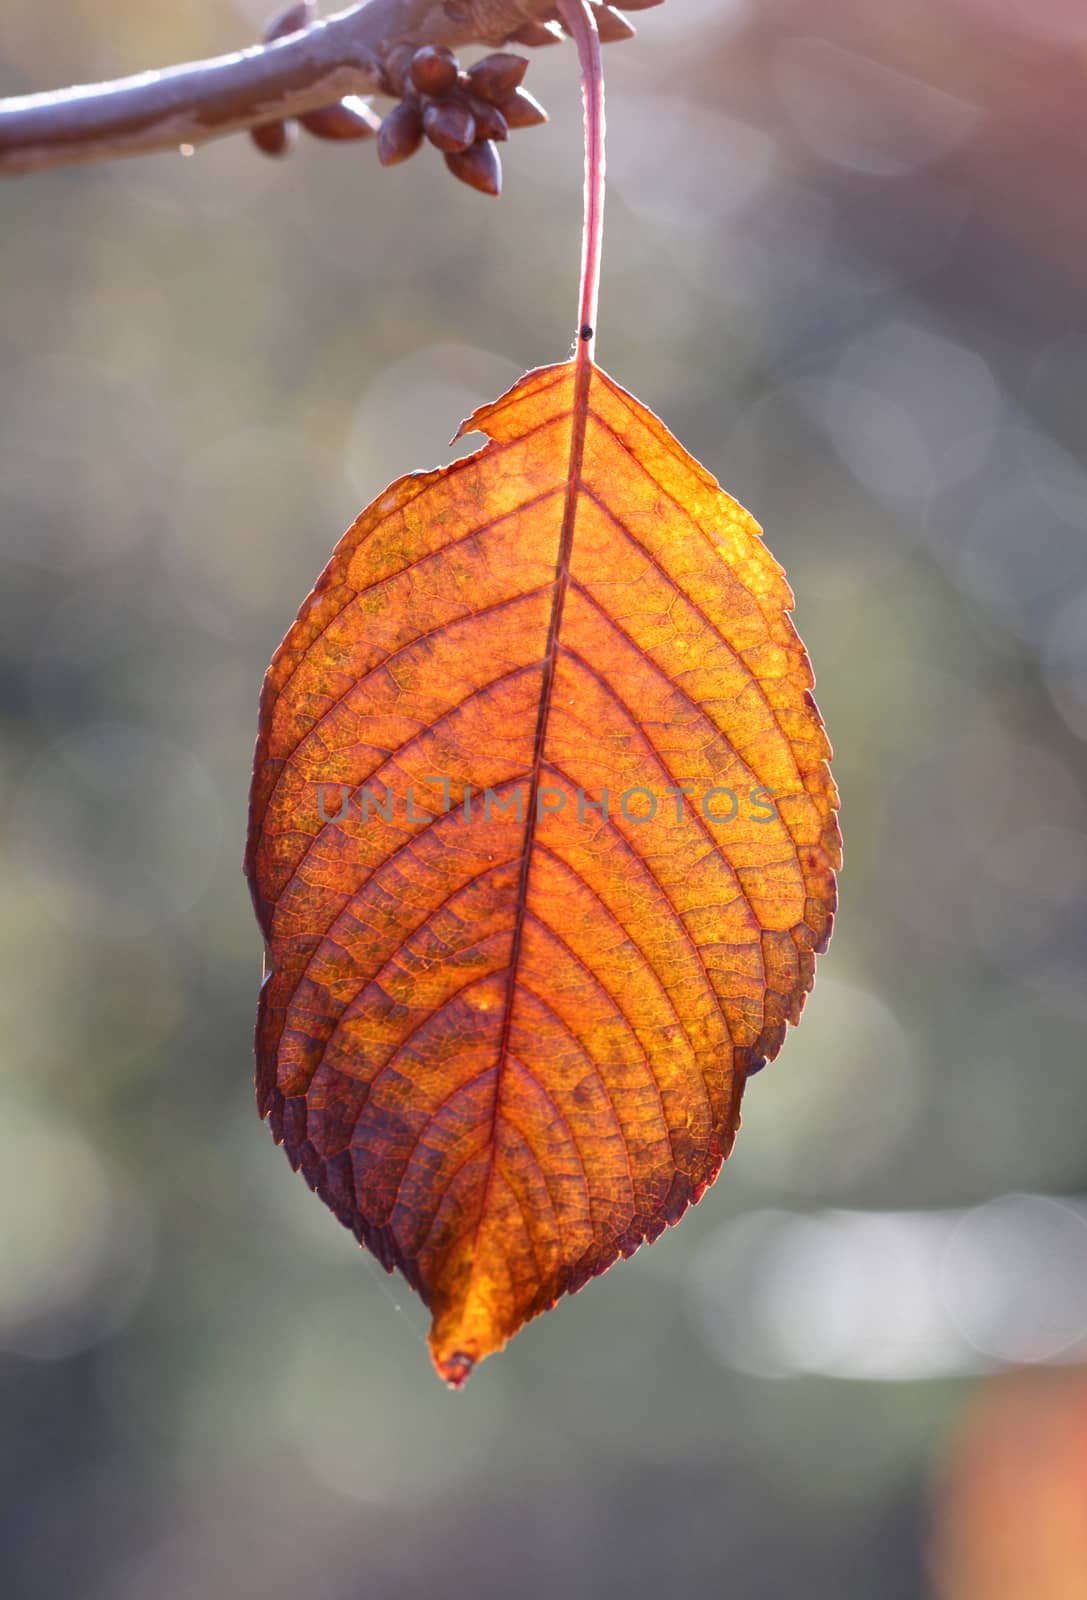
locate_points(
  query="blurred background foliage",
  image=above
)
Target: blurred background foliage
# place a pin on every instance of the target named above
(845, 264)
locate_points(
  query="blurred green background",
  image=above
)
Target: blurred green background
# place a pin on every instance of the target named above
(845, 264)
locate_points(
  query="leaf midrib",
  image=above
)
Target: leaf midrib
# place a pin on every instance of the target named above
(583, 372)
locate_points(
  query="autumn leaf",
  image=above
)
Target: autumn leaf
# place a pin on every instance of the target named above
(542, 845)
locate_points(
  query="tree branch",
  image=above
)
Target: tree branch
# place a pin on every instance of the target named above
(359, 51)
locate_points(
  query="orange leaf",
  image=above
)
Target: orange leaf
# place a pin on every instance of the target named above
(503, 1034)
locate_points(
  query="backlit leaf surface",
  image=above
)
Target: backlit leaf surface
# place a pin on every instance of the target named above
(506, 1049)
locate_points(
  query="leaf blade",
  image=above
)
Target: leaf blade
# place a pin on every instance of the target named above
(506, 1053)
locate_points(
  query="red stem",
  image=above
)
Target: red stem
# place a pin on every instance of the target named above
(578, 19)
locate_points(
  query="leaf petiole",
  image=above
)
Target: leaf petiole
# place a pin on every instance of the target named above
(578, 19)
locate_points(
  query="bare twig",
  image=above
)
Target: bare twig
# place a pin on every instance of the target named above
(359, 51)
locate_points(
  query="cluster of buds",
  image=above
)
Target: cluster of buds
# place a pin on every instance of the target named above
(464, 114)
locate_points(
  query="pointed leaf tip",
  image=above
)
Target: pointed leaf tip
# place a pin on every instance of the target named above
(456, 1369)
